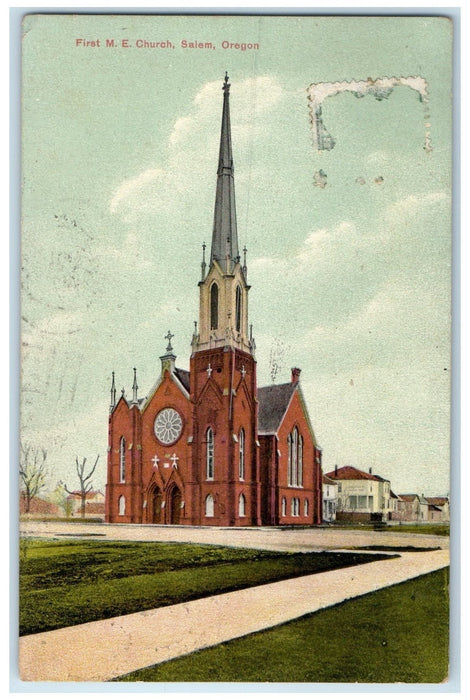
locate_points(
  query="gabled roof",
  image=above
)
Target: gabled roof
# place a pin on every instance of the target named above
(393, 495)
(326, 480)
(437, 500)
(409, 497)
(179, 376)
(183, 376)
(273, 402)
(353, 474)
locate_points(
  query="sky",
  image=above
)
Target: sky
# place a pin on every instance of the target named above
(349, 249)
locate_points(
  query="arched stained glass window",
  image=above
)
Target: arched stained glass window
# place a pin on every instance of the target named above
(295, 506)
(295, 442)
(214, 307)
(295, 458)
(289, 460)
(122, 460)
(209, 506)
(209, 454)
(238, 309)
(241, 505)
(122, 505)
(241, 454)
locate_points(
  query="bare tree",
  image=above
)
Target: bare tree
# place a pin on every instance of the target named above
(85, 482)
(33, 472)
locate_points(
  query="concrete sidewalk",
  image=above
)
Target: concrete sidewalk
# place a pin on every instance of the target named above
(275, 538)
(103, 650)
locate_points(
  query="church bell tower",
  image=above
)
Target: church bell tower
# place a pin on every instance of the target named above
(223, 366)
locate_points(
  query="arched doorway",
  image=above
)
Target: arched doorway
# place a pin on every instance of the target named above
(174, 505)
(155, 503)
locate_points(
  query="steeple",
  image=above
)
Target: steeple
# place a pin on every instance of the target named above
(224, 233)
(223, 291)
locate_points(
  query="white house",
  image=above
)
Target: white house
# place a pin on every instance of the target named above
(329, 496)
(362, 496)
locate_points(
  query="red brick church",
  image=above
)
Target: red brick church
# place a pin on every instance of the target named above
(208, 446)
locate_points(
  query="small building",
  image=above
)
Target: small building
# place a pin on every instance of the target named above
(439, 510)
(362, 496)
(330, 497)
(413, 508)
(38, 507)
(94, 504)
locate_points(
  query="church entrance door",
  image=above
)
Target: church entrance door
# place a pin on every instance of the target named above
(156, 506)
(174, 502)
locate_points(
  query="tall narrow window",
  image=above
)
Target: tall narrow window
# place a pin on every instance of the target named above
(295, 459)
(295, 439)
(306, 507)
(122, 505)
(238, 309)
(209, 454)
(214, 307)
(122, 460)
(289, 460)
(241, 506)
(241, 454)
(283, 506)
(295, 506)
(209, 506)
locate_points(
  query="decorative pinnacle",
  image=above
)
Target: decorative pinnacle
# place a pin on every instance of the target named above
(203, 264)
(168, 337)
(226, 85)
(113, 393)
(134, 387)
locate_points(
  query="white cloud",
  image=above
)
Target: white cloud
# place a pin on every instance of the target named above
(161, 187)
(317, 247)
(411, 205)
(134, 187)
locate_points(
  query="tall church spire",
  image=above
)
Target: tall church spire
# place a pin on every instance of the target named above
(223, 291)
(224, 233)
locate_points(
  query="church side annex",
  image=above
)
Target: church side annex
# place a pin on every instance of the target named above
(208, 447)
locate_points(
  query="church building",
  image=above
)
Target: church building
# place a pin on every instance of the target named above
(208, 446)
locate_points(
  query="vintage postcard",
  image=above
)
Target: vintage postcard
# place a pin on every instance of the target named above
(236, 342)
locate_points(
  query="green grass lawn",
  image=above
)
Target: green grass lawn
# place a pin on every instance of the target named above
(398, 634)
(68, 582)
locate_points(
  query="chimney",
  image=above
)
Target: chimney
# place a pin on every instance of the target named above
(370, 470)
(336, 470)
(295, 375)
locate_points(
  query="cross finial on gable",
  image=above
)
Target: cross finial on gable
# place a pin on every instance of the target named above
(168, 337)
